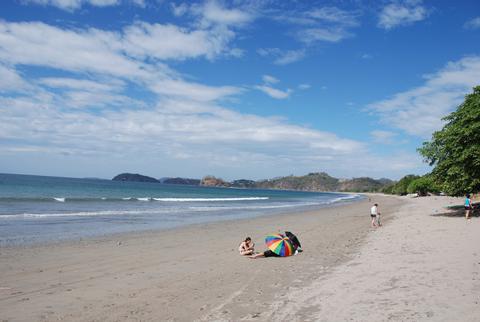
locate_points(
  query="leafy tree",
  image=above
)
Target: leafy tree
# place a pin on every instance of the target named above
(400, 188)
(454, 151)
(388, 189)
(423, 185)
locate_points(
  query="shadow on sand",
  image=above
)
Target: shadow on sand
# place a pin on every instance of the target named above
(457, 211)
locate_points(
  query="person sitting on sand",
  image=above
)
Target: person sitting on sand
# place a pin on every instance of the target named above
(246, 247)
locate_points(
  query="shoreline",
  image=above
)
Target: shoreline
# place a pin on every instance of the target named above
(153, 276)
(140, 232)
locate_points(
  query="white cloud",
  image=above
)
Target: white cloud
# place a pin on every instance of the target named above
(193, 91)
(267, 88)
(104, 3)
(304, 86)
(40, 44)
(182, 133)
(176, 120)
(282, 57)
(71, 5)
(331, 16)
(213, 12)
(273, 92)
(322, 24)
(140, 3)
(80, 84)
(385, 137)
(171, 42)
(322, 34)
(472, 23)
(236, 52)
(327, 24)
(173, 129)
(269, 79)
(216, 14)
(401, 14)
(419, 111)
(115, 54)
(289, 56)
(78, 93)
(98, 100)
(10, 80)
(179, 9)
(334, 15)
(94, 50)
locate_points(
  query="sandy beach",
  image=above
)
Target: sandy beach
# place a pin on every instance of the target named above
(416, 267)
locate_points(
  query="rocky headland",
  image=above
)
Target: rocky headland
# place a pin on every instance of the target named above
(316, 181)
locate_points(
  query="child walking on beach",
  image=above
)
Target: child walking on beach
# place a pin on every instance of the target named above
(375, 215)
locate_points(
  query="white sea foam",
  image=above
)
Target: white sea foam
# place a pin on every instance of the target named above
(206, 208)
(209, 199)
(166, 210)
(346, 197)
(89, 213)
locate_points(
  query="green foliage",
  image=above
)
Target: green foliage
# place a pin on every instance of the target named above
(423, 185)
(400, 188)
(454, 151)
(363, 184)
(388, 189)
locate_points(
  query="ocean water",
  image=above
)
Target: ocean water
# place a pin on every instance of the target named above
(37, 209)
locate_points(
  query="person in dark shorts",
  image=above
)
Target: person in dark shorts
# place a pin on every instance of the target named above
(468, 207)
(267, 253)
(373, 214)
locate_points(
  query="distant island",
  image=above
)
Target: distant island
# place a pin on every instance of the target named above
(316, 181)
(135, 177)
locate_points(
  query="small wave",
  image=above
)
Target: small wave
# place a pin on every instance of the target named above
(113, 199)
(137, 212)
(343, 198)
(87, 213)
(209, 199)
(206, 208)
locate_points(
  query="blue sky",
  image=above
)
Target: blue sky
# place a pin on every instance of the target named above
(236, 89)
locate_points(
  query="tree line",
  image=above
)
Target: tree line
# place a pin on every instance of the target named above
(453, 152)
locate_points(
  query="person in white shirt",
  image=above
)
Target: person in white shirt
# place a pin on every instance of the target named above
(375, 215)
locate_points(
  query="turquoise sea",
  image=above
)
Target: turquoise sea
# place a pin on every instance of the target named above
(37, 209)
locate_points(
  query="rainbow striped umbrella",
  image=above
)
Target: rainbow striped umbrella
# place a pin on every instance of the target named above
(279, 244)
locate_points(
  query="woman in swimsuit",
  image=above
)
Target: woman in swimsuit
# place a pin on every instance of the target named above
(246, 247)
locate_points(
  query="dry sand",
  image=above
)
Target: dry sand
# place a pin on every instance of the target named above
(416, 267)
(423, 266)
